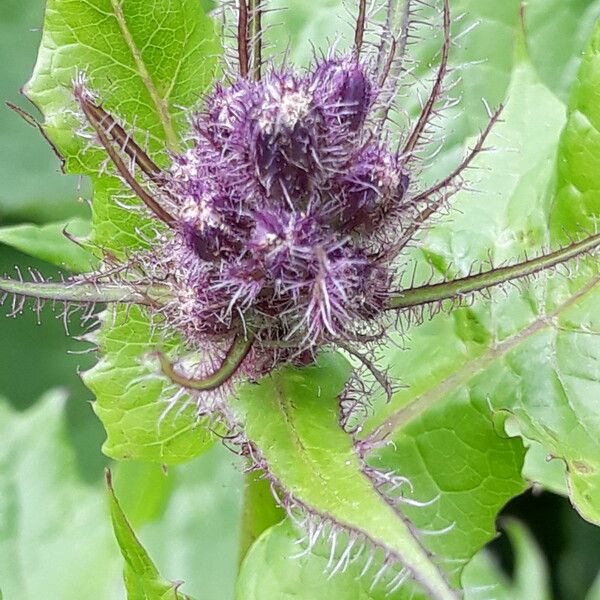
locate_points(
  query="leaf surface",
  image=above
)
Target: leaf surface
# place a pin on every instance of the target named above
(271, 572)
(132, 400)
(48, 243)
(483, 577)
(292, 418)
(33, 189)
(50, 519)
(142, 579)
(531, 351)
(145, 62)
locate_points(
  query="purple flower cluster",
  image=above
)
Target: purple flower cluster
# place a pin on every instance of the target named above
(275, 203)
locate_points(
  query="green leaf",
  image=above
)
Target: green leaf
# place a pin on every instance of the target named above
(49, 243)
(198, 533)
(51, 521)
(54, 518)
(146, 62)
(132, 401)
(142, 579)
(260, 510)
(484, 579)
(531, 352)
(454, 454)
(33, 188)
(273, 570)
(291, 418)
(558, 33)
(576, 204)
(269, 571)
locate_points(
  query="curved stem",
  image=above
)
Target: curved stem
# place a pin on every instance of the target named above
(235, 356)
(474, 283)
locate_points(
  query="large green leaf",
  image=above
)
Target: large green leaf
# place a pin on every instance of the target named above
(132, 401)
(270, 572)
(55, 535)
(558, 33)
(197, 535)
(468, 469)
(528, 351)
(49, 243)
(273, 570)
(146, 62)
(291, 419)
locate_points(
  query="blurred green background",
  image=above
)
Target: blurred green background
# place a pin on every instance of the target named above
(55, 539)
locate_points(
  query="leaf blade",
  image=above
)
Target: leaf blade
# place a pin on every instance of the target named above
(142, 579)
(50, 244)
(526, 353)
(292, 418)
(146, 62)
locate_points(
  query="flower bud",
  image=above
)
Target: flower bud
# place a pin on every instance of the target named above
(374, 184)
(343, 92)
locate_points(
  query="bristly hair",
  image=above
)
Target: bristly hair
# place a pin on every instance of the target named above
(280, 230)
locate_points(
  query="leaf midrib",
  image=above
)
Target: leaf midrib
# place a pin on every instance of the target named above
(160, 104)
(407, 413)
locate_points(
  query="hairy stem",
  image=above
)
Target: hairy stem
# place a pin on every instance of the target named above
(235, 356)
(256, 11)
(474, 283)
(101, 128)
(409, 412)
(109, 124)
(81, 292)
(242, 41)
(434, 96)
(439, 190)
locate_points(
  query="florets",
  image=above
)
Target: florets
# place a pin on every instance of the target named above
(275, 201)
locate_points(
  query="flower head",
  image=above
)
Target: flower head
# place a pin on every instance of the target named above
(289, 208)
(273, 204)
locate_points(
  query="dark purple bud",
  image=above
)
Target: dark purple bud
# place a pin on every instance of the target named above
(280, 173)
(283, 162)
(374, 185)
(344, 92)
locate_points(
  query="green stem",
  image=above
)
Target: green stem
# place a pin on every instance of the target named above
(474, 283)
(81, 292)
(259, 512)
(235, 356)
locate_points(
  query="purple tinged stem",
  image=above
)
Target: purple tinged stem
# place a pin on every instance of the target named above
(89, 110)
(231, 363)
